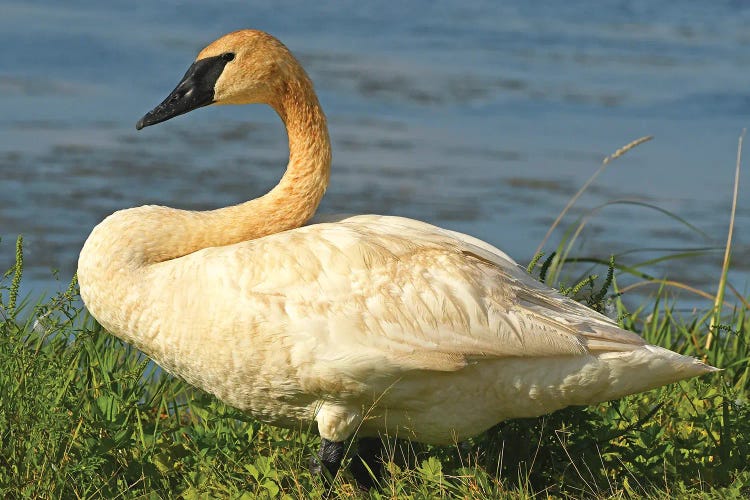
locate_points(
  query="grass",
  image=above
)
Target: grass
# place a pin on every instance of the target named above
(83, 415)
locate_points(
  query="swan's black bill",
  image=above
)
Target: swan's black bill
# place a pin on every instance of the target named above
(195, 90)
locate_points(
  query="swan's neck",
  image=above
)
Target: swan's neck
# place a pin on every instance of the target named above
(146, 235)
(294, 200)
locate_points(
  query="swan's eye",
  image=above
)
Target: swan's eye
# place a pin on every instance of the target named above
(227, 56)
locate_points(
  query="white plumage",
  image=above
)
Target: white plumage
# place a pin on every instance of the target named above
(367, 323)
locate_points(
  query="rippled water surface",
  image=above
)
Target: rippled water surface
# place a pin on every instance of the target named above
(480, 118)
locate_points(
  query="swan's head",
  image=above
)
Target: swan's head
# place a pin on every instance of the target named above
(242, 67)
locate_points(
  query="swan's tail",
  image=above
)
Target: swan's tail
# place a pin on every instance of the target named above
(649, 367)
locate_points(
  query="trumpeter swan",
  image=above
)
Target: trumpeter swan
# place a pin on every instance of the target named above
(369, 323)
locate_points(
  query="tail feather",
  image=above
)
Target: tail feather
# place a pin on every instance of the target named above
(650, 367)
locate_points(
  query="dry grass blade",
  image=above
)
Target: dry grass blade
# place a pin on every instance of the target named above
(739, 296)
(716, 317)
(668, 283)
(626, 148)
(591, 179)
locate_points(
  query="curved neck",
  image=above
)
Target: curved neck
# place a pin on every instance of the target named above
(288, 205)
(296, 197)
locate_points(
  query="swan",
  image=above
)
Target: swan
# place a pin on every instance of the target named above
(361, 324)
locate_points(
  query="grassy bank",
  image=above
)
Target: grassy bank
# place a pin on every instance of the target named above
(83, 415)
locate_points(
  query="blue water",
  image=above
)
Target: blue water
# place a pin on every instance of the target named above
(483, 118)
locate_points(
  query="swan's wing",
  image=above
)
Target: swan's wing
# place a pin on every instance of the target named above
(600, 332)
(377, 295)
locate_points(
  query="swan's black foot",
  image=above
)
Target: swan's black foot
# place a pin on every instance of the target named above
(367, 465)
(329, 459)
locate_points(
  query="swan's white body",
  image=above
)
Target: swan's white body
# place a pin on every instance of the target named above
(419, 329)
(367, 323)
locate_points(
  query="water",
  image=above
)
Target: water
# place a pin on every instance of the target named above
(481, 118)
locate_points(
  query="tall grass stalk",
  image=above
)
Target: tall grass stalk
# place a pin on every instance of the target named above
(716, 318)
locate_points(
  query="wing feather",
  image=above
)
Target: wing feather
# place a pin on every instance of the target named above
(376, 295)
